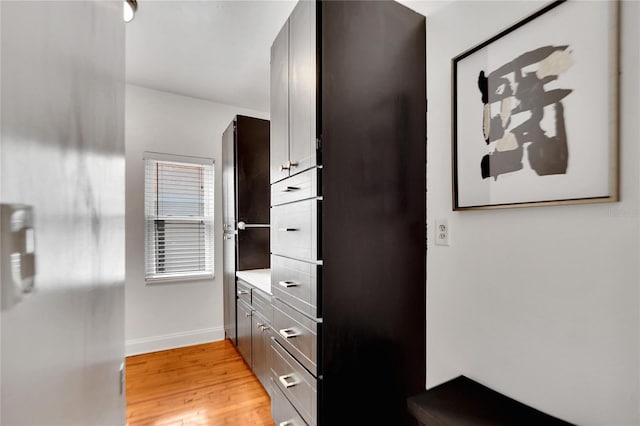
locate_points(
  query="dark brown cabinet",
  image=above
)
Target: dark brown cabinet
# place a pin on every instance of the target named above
(245, 325)
(259, 341)
(254, 330)
(261, 337)
(279, 149)
(302, 87)
(293, 94)
(348, 213)
(245, 200)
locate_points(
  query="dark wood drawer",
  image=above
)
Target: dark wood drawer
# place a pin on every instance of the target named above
(296, 283)
(261, 302)
(297, 333)
(294, 230)
(298, 187)
(296, 384)
(282, 411)
(243, 291)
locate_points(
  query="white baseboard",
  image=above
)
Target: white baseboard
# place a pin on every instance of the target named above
(172, 341)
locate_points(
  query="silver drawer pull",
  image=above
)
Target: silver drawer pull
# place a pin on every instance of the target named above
(287, 284)
(259, 325)
(290, 189)
(289, 380)
(241, 292)
(288, 333)
(265, 327)
(247, 314)
(288, 229)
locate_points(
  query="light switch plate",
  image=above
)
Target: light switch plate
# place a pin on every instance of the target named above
(442, 232)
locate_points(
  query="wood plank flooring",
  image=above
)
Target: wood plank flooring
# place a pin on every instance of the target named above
(198, 385)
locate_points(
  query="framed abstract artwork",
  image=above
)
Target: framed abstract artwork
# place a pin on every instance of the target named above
(535, 111)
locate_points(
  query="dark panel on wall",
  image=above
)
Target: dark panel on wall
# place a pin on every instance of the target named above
(252, 156)
(253, 249)
(373, 115)
(253, 191)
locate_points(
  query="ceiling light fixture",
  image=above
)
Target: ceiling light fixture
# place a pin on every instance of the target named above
(130, 8)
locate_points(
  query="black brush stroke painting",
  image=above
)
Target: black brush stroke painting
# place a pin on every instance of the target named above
(522, 87)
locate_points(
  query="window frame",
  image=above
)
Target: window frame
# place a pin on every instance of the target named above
(207, 217)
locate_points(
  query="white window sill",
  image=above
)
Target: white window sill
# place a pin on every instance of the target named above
(178, 278)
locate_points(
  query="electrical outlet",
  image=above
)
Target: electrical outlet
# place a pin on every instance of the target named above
(442, 232)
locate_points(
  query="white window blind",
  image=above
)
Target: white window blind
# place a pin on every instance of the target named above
(179, 219)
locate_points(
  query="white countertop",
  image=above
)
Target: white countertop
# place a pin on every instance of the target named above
(259, 278)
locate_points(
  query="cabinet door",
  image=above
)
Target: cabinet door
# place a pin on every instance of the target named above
(245, 315)
(229, 286)
(260, 349)
(229, 246)
(302, 86)
(229, 177)
(267, 332)
(279, 150)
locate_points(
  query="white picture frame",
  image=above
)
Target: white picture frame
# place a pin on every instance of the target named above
(535, 111)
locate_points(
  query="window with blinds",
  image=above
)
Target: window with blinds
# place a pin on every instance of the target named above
(179, 219)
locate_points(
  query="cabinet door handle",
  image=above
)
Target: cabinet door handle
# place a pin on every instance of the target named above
(241, 292)
(248, 314)
(259, 325)
(288, 333)
(265, 328)
(289, 380)
(287, 284)
(288, 166)
(243, 225)
(290, 189)
(288, 229)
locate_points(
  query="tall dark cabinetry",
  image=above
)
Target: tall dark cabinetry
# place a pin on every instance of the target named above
(245, 192)
(348, 213)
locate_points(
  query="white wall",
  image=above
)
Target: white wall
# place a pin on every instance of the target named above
(162, 316)
(539, 303)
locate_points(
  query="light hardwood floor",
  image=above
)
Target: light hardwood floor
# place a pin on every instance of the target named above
(199, 385)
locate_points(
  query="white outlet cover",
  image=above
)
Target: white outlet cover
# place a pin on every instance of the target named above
(442, 232)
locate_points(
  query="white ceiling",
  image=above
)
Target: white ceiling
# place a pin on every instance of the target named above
(211, 49)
